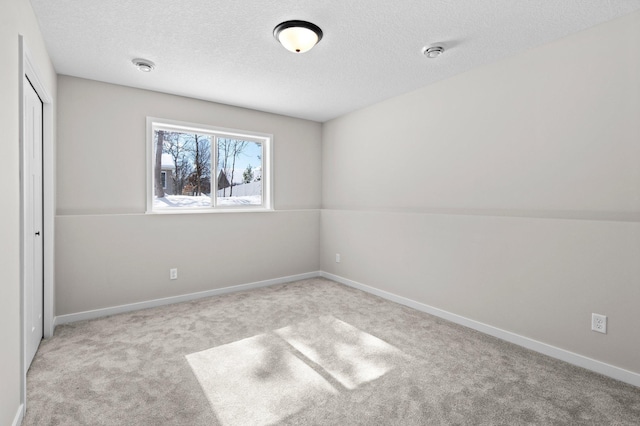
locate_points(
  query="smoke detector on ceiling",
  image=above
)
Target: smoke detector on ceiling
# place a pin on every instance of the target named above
(433, 51)
(143, 65)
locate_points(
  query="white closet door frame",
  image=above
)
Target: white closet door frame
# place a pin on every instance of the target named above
(29, 69)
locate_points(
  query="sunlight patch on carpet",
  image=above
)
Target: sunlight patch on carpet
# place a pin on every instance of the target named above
(349, 355)
(265, 378)
(256, 381)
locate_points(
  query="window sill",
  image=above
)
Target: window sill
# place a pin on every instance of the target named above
(209, 210)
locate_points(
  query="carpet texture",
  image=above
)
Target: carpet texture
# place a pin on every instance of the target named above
(312, 352)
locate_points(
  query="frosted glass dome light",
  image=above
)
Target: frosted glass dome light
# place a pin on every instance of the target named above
(297, 36)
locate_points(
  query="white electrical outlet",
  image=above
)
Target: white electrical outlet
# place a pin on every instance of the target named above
(337, 258)
(173, 273)
(599, 323)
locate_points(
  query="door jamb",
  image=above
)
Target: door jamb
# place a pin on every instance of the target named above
(27, 67)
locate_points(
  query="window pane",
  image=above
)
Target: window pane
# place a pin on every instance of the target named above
(187, 159)
(185, 162)
(239, 172)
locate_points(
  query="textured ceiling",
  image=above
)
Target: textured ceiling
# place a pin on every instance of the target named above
(224, 51)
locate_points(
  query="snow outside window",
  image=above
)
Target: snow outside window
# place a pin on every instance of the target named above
(199, 168)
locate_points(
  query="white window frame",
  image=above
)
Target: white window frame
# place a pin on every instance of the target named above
(265, 139)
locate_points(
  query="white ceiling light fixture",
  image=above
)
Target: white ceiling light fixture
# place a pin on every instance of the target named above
(143, 65)
(433, 52)
(297, 36)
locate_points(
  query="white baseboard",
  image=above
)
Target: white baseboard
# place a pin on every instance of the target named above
(614, 372)
(98, 313)
(605, 369)
(17, 420)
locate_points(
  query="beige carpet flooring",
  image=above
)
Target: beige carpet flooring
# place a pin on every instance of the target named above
(312, 352)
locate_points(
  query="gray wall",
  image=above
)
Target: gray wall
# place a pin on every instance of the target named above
(509, 195)
(108, 252)
(16, 17)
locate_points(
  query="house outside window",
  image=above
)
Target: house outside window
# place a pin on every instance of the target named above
(199, 168)
(167, 169)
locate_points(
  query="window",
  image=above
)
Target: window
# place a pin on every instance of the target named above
(193, 167)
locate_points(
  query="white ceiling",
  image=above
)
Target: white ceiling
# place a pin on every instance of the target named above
(224, 51)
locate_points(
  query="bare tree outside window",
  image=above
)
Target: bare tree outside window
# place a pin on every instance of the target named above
(159, 190)
(235, 159)
(199, 147)
(174, 145)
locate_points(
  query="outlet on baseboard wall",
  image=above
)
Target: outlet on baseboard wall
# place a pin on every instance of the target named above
(337, 257)
(599, 323)
(173, 273)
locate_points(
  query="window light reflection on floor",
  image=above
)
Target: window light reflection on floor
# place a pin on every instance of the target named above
(265, 378)
(256, 381)
(349, 355)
